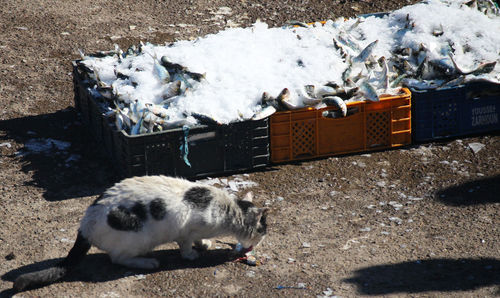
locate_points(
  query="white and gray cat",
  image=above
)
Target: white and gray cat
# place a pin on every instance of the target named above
(137, 214)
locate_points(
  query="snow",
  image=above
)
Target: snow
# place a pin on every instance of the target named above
(241, 63)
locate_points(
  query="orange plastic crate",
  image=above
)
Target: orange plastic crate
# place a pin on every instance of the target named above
(305, 133)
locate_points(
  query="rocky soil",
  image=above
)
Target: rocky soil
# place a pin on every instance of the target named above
(418, 221)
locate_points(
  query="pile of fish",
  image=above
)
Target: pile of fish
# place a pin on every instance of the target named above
(133, 115)
(380, 67)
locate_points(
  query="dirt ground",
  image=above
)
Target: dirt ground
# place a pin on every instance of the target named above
(419, 221)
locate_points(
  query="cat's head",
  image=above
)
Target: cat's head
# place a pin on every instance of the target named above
(255, 222)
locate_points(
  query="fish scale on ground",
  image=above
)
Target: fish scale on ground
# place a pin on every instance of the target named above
(298, 65)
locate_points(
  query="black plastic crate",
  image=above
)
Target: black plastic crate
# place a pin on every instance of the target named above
(458, 111)
(212, 150)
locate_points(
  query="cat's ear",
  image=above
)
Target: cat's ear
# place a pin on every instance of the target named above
(248, 197)
(262, 214)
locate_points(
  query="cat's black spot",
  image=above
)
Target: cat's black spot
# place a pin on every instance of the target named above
(244, 205)
(123, 219)
(96, 201)
(199, 197)
(139, 209)
(157, 209)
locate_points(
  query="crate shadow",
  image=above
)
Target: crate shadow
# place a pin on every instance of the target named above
(442, 275)
(97, 268)
(59, 154)
(481, 191)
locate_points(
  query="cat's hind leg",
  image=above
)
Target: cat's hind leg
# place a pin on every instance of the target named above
(135, 262)
(203, 244)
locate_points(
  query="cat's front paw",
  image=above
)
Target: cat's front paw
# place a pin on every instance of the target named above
(190, 255)
(203, 244)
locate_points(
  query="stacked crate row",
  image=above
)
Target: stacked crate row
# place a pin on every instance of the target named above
(397, 120)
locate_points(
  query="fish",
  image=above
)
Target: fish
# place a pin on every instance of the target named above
(196, 76)
(347, 72)
(308, 95)
(444, 67)
(204, 119)
(333, 114)
(486, 67)
(176, 123)
(368, 91)
(384, 74)
(346, 92)
(136, 128)
(264, 113)
(348, 42)
(453, 83)
(266, 98)
(171, 90)
(358, 77)
(422, 70)
(309, 89)
(157, 110)
(336, 102)
(171, 67)
(283, 100)
(363, 56)
(332, 84)
(294, 23)
(325, 91)
(152, 121)
(132, 50)
(396, 82)
(160, 71)
(309, 102)
(338, 46)
(185, 84)
(353, 26)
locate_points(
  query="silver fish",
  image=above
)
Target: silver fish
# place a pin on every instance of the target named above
(368, 91)
(443, 66)
(486, 67)
(353, 26)
(338, 46)
(310, 90)
(309, 102)
(453, 83)
(283, 100)
(348, 42)
(325, 91)
(264, 113)
(396, 82)
(308, 95)
(336, 102)
(384, 74)
(366, 52)
(177, 76)
(172, 89)
(347, 72)
(157, 110)
(136, 129)
(160, 71)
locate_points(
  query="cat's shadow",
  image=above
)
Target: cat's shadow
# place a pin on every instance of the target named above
(97, 267)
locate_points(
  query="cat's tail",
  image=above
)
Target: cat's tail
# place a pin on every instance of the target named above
(58, 271)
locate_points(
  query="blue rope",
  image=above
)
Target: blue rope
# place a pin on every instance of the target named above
(184, 146)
